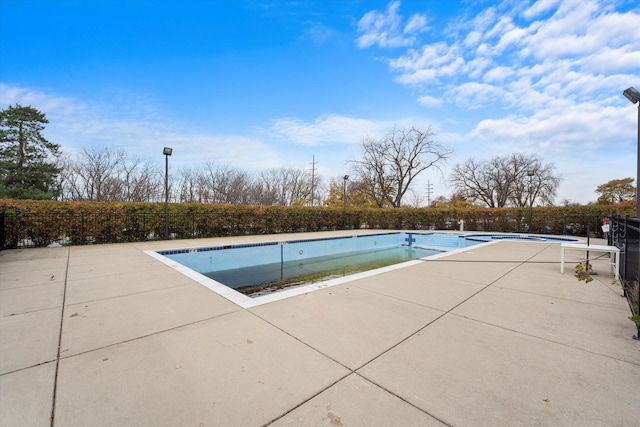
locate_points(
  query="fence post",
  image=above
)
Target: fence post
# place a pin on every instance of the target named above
(626, 252)
(145, 233)
(2, 233)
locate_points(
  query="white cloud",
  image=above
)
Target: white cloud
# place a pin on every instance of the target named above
(584, 31)
(540, 7)
(473, 95)
(51, 106)
(513, 36)
(609, 60)
(238, 150)
(476, 67)
(384, 29)
(585, 126)
(137, 128)
(557, 68)
(588, 144)
(328, 129)
(484, 20)
(429, 64)
(318, 33)
(497, 74)
(418, 77)
(416, 23)
(559, 51)
(429, 101)
(472, 39)
(430, 56)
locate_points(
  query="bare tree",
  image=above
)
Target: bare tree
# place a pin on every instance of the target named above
(139, 181)
(105, 174)
(187, 183)
(533, 181)
(415, 199)
(512, 180)
(66, 179)
(96, 170)
(234, 186)
(487, 182)
(388, 166)
(214, 183)
(286, 186)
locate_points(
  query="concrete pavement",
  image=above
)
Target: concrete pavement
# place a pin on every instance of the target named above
(107, 335)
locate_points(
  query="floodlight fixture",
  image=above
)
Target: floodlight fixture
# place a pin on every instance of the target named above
(632, 95)
(167, 151)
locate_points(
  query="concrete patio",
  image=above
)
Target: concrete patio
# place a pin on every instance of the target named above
(494, 336)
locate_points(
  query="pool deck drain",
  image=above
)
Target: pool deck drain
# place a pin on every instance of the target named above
(495, 335)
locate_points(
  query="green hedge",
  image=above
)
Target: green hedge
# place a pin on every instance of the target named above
(39, 223)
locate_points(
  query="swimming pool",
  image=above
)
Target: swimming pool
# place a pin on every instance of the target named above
(294, 267)
(251, 274)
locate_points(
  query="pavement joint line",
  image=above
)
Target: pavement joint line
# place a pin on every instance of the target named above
(30, 312)
(308, 399)
(27, 367)
(298, 339)
(402, 399)
(401, 299)
(55, 378)
(109, 275)
(351, 371)
(520, 263)
(558, 298)
(127, 295)
(546, 339)
(150, 335)
(618, 290)
(47, 283)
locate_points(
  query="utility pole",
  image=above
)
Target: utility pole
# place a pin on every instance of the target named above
(429, 190)
(313, 177)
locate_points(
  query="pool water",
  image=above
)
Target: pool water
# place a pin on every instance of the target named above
(251, 274)
(259, 270)
(259, 280)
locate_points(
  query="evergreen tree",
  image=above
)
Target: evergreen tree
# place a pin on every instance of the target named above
(27, 160)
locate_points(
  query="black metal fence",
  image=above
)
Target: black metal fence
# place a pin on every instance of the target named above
(625, 235)
(25, 230)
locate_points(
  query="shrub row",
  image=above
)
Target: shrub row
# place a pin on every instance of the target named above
(39, 223)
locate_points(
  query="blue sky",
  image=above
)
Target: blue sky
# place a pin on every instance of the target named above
(267, 84)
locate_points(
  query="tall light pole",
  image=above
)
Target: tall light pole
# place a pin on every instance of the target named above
(344, 201)
(167, 152)
(634, 96)
(530, 174)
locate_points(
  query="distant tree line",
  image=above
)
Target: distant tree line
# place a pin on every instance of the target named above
(382, 176)
(104, 174)
(34, 168)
